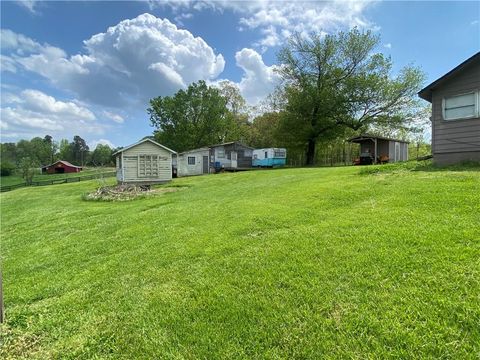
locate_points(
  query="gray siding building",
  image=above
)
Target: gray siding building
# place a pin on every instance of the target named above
(377, 149)
(455, 99)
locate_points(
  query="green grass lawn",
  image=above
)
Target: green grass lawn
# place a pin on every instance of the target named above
(318, 263)
(17, 179)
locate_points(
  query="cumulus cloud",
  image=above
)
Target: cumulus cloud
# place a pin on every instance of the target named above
(276, 20)
(387, 46)
(33, 112)
(258, 80)
(94, 143)
(131, 62)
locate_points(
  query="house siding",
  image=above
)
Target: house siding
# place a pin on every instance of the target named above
(452, 138)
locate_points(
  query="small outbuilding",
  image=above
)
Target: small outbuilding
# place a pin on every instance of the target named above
(231, 156)
(193, 162)
(144, 163)
(61, 167)
(269, 157)
(455, 99)
(377, 149)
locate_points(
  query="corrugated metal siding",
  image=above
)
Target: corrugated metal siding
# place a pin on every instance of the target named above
(453, 136)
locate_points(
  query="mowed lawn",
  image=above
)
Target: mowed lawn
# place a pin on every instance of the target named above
(321, 263)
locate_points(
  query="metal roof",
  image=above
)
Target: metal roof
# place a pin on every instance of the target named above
(142, 141)
(230, 143)
(362, 137)
(426, 92)
(63, 162)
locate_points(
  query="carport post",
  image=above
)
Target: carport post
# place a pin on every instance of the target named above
(375, 158)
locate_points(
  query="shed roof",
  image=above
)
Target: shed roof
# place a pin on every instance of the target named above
(64, 163)
(141, 142)
(205, 148)
(230, 143)
(426, 92)
(363, 137)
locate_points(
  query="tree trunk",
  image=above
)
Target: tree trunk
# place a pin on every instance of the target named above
(311, 152)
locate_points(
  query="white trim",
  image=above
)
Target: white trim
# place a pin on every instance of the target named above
(141, 142)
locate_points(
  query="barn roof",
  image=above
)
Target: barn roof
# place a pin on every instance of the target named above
(63, 162)
(141, 142)
(363, 137)
(426, 92)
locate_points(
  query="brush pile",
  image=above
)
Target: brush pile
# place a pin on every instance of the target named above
(124, 192)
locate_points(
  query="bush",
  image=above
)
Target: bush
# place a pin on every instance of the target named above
(6, 168)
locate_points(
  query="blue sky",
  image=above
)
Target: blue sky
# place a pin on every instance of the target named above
(89, 68)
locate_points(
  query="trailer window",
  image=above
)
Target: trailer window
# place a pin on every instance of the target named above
(280, 153)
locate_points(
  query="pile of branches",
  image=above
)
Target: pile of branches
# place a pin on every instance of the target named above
(119, 193)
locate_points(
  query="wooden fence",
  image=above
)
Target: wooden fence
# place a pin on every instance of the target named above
(58, 181)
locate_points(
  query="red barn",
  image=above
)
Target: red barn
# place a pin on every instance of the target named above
(60, 167)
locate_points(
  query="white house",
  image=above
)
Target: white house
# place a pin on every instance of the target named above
(193, 162)
(144, 163)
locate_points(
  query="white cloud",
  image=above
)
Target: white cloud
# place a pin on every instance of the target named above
(33, 113)
(276, 20)
(30, 5)
(94, 143)
(474, 22)
(131, 62)
(115, 117)
(258, 80)
(387, 46)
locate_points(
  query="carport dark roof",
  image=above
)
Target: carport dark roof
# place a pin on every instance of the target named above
(370, 137)
(426, 92)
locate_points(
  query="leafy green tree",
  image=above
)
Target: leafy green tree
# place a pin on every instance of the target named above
(102, 155)
(28, 166)
(8, 152)
(40, 151)
(52, 147)
(191, 118)
(336, 81)
(79, 150)
(237, 126)
(65, 150)
(7, 168)
(264, 131)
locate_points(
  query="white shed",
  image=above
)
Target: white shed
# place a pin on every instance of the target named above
(145, 162)
(193, 162)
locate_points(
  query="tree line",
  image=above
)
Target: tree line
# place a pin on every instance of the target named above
(28, 154)
(333, 87)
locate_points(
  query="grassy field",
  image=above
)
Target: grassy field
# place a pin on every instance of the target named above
(326, 263)
(17, 179)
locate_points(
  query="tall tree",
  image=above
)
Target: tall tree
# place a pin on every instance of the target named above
(237, 126)
(337, 81)
(192, 118)
(52, 147)
(264, 131)
(79, 150)
(65, 150)
(102, 155)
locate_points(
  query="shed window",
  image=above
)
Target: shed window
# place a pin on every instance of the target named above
(460, 107)
(220, 153)
(191, 160)
(148, 166)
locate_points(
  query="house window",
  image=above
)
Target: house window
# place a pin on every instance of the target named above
(148, 166)
(460, 107)
(266, 154)
(191, 160)
(220, 154)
